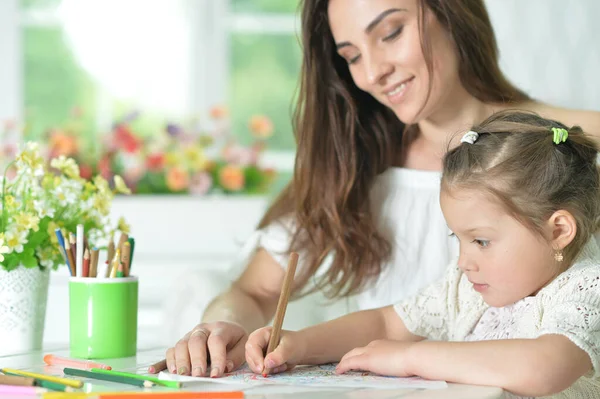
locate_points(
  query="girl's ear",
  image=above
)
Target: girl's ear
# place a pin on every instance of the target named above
(562, 227)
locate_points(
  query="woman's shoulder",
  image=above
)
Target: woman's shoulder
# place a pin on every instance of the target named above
(588, 120)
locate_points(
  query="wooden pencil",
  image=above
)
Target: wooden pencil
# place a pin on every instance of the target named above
(125, 257)
(16, 380)
(158, 367)
(122, 239)
(110, 254)
(284, 297)
(71, 258)
(108, 377)
(94, 262)
(86, 264)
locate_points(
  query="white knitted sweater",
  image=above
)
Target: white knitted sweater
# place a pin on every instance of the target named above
(450, 310)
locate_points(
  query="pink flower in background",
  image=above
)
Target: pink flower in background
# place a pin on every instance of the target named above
(219, 112)
(261, 127)
(104, 167)
(236, 154)
(126, 140)
(155, 162)
(232, 178)
(177, 179)
(200, 183)
(86, 171)
(61, 143)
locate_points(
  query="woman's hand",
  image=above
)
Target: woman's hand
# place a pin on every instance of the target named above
(219, 345)
(385, 357)
(289, 352)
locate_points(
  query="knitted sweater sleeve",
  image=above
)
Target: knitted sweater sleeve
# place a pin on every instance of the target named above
(571, 307)
(430, 313)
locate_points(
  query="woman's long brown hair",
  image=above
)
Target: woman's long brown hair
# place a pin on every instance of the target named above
(345, 138)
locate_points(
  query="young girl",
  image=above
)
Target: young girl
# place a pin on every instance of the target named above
(521, 307)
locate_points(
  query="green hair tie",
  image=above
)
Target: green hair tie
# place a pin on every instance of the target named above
(560, 135)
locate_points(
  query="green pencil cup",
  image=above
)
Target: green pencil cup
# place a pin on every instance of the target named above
(103, 317)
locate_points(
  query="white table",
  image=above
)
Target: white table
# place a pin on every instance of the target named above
(33, 362)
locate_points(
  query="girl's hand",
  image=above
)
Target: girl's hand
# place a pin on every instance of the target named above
(289, 352)
(383, 357)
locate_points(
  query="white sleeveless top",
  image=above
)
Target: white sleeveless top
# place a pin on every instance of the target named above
(406, 208)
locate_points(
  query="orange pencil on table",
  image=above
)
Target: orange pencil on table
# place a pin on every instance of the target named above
(53, 360)
(282, 306)
(86, 263)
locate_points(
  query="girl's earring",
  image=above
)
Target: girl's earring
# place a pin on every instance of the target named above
(558, 256)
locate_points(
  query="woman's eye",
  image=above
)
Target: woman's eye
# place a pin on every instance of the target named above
(353, 60)
(393, 35)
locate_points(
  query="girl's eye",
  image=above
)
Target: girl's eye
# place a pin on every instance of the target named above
(481, 243)
(393, 35)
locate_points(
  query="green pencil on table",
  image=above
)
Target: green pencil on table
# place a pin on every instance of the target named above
(109, 377)
(164, 383)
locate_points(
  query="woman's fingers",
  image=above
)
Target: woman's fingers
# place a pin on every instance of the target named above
(197, 350)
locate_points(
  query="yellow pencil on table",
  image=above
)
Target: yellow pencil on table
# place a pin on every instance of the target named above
(65, 381)
(284, 297)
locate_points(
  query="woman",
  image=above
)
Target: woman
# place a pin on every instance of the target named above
(384, 85)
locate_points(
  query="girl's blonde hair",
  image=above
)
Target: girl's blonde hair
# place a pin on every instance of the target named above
(516, 160)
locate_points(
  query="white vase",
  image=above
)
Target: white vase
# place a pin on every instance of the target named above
(23, 297)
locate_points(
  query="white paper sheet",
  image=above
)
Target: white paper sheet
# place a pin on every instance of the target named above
(315, 376)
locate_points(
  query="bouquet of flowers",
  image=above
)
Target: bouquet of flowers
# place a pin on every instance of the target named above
(176, 158)
(38, 197)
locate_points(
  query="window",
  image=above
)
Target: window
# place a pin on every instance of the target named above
(105, 57)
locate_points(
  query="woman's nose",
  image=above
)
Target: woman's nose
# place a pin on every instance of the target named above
(377, 68)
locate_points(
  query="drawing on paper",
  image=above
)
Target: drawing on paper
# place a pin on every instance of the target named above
(320, 376)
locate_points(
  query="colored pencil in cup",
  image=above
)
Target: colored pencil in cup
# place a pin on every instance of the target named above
(79, 249)
(71, 258)
(120, 272)
(73, 243)
(94, 262)
(157, 381)
(132, 243)
(19, 390)
(157, 367)
(110, 254)
(122, 239)
(282, 306)
(86, 264)
(65, 381)
(108, 377)
(16, 380)
(53, 360)
(114, 266)
(125, 257)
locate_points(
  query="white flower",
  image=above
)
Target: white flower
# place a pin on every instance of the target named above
(15, 239)
(65, 196)
(3, 249)
(44, 209)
